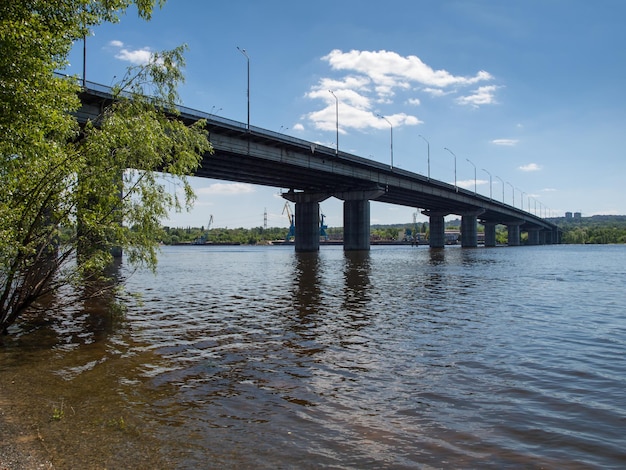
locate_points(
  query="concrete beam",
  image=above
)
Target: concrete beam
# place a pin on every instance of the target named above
(359, 195)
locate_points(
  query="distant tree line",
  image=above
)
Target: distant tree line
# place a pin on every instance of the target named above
(243, 236)
(596, 229)
(260, 235)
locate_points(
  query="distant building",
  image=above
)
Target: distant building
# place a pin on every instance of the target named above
(577, 216)
(568, 216)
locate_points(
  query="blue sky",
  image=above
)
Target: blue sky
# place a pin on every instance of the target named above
(529, 91)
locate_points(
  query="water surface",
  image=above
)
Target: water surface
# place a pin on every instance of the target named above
(403, 357)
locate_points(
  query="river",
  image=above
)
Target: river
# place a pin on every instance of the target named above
(402, 357)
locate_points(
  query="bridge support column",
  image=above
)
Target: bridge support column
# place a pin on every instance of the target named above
(356, 218)
(356, 225)
(469, 229)
(533, 235)
(307, 236)
(513, 228)
(437, 228)
(542, 237)
(490, 234)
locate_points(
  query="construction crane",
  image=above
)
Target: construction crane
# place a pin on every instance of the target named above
(292, 222)
(323, 227)
(203, 238)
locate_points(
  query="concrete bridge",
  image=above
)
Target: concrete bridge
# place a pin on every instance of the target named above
(314, 173)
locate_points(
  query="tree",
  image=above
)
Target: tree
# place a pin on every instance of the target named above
(70, 195)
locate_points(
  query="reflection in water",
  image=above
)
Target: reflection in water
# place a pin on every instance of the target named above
(356, 274)
(437, 256)
(307, 285)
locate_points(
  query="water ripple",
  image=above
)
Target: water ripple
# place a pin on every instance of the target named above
(396, 358)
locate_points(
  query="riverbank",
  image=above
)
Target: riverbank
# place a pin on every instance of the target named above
(21, 447)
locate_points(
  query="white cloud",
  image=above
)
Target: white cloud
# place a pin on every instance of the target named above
(436, 92)
(482, 95)
(469, 184)
(298, 127)
(354, 113)
(226, 189)
(390, 68)
(530, 167)
(375, 78)
(135, 57)
(505, 142)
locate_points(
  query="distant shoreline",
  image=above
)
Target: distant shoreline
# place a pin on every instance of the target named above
(285, 242)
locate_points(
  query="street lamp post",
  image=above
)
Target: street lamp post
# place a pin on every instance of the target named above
(84, 60)
(522, 196)
(428, 153)
(501, 181)
(490, 184)
(336, 121)
(474, 174)
(456, 188)
(243, 51)
(513, 191)
(213, 112)
(391, 134)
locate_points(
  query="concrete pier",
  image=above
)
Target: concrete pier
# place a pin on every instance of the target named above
(490, 234)
(356, 225)
(437, 237)
(534, 236)
(356, 218)
(469, 228)
(514, 233)
(307, 233)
